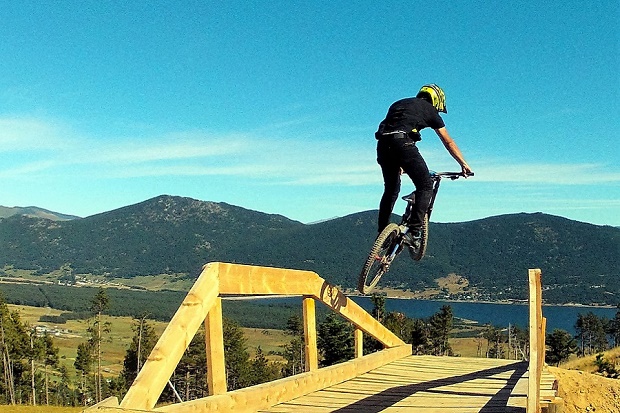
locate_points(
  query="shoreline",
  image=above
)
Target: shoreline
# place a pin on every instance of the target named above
(576, 305)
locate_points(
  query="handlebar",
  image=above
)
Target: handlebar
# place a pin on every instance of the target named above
(451, 175)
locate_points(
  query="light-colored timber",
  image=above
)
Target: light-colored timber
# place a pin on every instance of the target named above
(390, 380)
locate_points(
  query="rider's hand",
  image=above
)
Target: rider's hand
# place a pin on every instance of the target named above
(466, 170)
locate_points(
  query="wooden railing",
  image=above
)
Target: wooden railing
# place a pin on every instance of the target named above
(203, 305)
(537, 330)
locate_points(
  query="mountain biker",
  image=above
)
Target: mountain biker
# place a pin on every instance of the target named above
(397, 152)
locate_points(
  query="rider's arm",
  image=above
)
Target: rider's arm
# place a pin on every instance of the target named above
(453, 149)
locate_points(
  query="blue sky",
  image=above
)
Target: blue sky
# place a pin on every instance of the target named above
(272, 105)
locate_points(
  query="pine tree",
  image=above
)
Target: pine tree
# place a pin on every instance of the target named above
(84, 363)
(261, 371)
(14, 355)
(237, 357)
(560, 345)
(294, 351)
(50, 359)
(142, 343)
(419, 339)
(335, 340)
(100, 303)
(590, 333)
(440, 326)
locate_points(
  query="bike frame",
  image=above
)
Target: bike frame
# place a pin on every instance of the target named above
(404, 227)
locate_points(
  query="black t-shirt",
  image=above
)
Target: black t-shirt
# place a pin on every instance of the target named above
(411, 115)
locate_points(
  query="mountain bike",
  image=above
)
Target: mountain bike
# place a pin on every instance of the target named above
(396, 237)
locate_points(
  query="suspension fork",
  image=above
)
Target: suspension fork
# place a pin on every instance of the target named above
(437, 180)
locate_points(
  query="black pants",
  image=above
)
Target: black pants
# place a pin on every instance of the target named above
(395, 152)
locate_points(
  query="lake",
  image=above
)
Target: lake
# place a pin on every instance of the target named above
(499, 315)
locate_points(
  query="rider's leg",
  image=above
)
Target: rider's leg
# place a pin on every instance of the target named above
(390, 169)
(416, 169)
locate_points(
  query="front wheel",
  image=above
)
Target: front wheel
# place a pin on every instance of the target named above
(380, 258)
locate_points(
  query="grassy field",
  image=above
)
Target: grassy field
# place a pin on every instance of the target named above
(68, 336)
(587, 363)
(39, 409)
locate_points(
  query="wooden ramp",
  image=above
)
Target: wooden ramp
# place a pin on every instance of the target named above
(390, 380)
(426, 384)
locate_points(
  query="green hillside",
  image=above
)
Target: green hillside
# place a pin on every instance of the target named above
(175, 235)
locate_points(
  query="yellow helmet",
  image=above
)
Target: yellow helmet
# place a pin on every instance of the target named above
(434, 94)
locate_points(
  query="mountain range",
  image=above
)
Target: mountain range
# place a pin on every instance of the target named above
(33, 211)
(171, 234)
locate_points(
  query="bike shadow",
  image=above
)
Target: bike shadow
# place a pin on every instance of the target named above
(389, 397)
(332, 296)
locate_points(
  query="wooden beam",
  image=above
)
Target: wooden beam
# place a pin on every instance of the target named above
(311, 353)
(359, 342)
(535, 327)
(340, 303)
(214, 341)
(152, 378)
(265, 395)
(255, 280)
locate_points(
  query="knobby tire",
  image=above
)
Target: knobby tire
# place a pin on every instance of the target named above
(376, 264)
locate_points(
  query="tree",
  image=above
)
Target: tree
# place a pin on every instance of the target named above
(606, 368)
(335, 340)
(83, 363)
(590, 333)
(142, 343)
(237, 357)
(614, 329)
(261, 371)
(100, 303)
(495, 339)
(14, 354)
(419, 340)
(65, 396)
(378, 311)
(440, 326)
(294, 351)
(518, 339)
(560, 345)
(50, 359)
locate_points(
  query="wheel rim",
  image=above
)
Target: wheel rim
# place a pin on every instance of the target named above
(378, 262)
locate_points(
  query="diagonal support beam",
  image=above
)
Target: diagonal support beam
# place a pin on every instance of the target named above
(159, 366)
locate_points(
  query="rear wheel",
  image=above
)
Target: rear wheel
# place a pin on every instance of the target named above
(379, 259)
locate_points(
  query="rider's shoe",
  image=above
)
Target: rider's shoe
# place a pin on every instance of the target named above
(413, 239)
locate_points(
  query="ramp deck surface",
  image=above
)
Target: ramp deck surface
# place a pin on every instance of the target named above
(426, 384)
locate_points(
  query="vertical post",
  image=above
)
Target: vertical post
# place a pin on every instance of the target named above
(535, 330)
(214, 342)
(359, 342)
(312, 361)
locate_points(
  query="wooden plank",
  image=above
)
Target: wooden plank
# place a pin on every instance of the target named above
(449, 384)
(152, 378)
(214, 343)
(311, 353)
